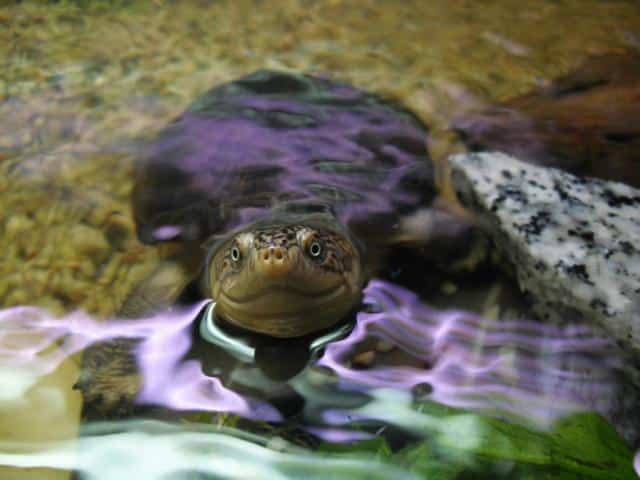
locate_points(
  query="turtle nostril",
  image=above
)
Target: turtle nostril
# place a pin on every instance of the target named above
(271, 254)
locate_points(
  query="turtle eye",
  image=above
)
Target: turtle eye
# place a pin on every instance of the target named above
(315, 249)
(235, 254)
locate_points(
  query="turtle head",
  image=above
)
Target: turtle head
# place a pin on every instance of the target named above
(286, 277)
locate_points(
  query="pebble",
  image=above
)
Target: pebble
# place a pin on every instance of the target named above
(18, 224)
(89, 241)
(364, 359)
(384, 346)
(320, 375)
(448, 288)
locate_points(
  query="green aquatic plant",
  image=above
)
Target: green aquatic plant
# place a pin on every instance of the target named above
(465, 445)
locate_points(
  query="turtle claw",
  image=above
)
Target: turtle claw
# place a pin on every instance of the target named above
(107, 394)
(106, 391)
(109, 379)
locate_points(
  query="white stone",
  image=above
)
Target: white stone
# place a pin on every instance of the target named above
(574, 242)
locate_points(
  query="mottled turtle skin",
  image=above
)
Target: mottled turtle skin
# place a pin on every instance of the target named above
(271, 156)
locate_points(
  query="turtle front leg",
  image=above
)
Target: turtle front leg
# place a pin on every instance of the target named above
(109, 379)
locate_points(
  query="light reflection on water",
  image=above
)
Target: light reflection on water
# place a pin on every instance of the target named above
(517, 370)
(189, 451)
(537, 372)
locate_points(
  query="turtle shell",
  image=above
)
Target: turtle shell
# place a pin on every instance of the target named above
(282, 140)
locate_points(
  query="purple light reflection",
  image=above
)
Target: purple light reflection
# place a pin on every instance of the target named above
(312, 141)
(338, 435)
(181, 385)
(534, 371)
(27, 335)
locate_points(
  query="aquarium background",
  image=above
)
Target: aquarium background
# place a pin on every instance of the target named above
(85, 84)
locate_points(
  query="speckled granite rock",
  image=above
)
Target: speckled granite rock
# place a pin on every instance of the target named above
(573, 241)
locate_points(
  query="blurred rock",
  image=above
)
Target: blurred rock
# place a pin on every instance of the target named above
(587, 122)
(572, 241)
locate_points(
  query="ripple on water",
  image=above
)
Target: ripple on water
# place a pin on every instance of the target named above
(461, 377)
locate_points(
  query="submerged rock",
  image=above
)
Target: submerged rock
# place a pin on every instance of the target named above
(587, 122)
(572, 241)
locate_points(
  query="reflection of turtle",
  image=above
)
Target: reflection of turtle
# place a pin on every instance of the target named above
(298, 186)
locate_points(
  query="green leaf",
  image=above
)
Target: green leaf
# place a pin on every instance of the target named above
(459, 444)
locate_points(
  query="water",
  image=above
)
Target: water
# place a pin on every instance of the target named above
(442, 407)
(415, 391)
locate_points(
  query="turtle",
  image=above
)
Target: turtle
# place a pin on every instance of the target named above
(284, 192)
